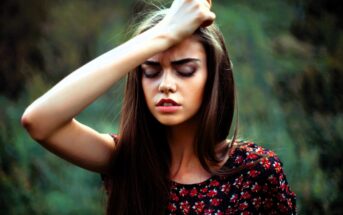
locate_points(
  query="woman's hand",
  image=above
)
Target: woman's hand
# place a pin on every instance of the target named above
(186, 16)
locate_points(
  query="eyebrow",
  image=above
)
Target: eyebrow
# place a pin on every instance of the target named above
(175, 63)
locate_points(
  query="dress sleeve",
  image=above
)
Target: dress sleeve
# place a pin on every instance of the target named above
(276, 196)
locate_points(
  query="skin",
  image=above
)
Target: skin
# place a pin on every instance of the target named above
(50, 120)
(172, 69)
(166, 75)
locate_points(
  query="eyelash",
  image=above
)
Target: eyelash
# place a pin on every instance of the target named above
(153, 75)
(186, 74)
(182, 74)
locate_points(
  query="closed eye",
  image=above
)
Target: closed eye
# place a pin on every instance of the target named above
(185, 70)
(186, 73)
(151, 73)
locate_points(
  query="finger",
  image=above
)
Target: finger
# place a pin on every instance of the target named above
(209, 20)
(207, 3)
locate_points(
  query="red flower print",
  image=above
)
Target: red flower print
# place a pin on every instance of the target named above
(243, 206)
(281, 197)
(277, 167)
(199, 207)
(261, 187)
(256, 187)
(204, 190)
(193, 192)
(257, 202)
(215, 201)
(272, 179)
(254, 173)
(183, 192)
(252, 156)
(245, 195)
(225, 188)
(259, 150)
(238, 159)
(185, 207)
(174, 197)
(238, 181)
(271, 154)
(265, 163)
(230, 210)
(234, 198)
(201, 195)
(283, 186)
(208, 211)
(289, 203)
(246, 184)
(214, 183)
(171, 207)
(212, 193)
(219, 213)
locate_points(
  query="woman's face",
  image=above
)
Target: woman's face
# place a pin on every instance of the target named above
(174, 80)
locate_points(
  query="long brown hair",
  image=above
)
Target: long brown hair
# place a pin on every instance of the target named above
(140, 169)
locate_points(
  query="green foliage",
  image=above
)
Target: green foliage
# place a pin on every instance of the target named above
(37, 182)
(289, 100)
(289, 90)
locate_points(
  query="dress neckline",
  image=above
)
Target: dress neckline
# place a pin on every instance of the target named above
(178, 184)
(213, 176)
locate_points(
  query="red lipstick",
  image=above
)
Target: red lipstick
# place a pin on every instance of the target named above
(167, 106)
(167, 102)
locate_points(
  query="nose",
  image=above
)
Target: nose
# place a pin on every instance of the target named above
(167, 84)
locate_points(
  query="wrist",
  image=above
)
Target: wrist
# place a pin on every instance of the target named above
(166, 35)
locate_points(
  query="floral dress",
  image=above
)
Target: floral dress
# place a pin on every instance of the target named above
(260, 188)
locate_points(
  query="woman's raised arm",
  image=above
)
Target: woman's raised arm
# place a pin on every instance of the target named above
(50, 119)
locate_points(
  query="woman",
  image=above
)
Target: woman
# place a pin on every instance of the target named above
(171, 155)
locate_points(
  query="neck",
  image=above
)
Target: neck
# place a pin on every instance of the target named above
(185, 166)
(181, 141)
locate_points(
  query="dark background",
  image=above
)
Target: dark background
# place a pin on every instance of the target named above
(288, 64)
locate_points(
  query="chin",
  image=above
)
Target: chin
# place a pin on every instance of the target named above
(169, 120)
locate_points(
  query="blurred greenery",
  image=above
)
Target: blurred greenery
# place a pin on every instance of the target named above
(288, 64)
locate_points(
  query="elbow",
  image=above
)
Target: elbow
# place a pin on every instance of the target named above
(32, 126)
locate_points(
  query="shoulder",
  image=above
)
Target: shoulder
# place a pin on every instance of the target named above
(247, 153)
(257, 161)
(263, 169)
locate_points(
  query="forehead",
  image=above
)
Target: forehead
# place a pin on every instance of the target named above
(188, 48)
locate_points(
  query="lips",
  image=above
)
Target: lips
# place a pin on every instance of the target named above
(168, 106)
(167, 103)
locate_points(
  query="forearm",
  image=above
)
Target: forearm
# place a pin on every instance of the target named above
(75, 92)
